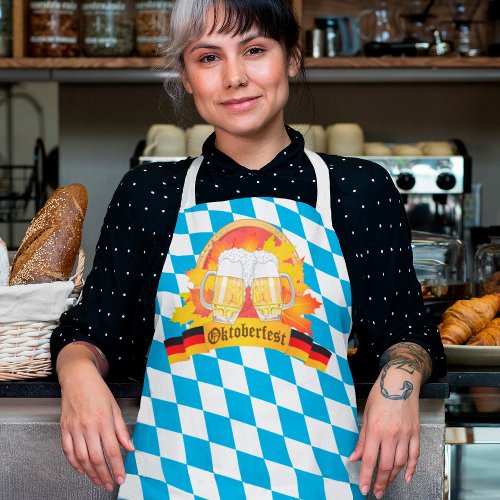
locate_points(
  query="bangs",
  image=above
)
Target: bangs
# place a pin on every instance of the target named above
(272, 18)
(237, 17)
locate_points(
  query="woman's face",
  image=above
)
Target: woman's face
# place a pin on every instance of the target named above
(239, 82)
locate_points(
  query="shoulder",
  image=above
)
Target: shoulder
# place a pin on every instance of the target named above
(150, 173)
(358, 175)
(147, 191)
(356, 168)
(152, 177)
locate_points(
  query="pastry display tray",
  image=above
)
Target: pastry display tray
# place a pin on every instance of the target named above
(464, 355)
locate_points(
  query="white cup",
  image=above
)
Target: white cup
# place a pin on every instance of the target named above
(434, 148)
(377, 149)
(319, 138)
(345, 139)
(406, 150)
(195, 137)
(165, 140)
(307, 132)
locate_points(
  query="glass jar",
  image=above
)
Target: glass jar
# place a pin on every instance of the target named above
(487, 265)
(5, 28)
(108, 28)
(152, 23)
(54, 29)
(440, 266)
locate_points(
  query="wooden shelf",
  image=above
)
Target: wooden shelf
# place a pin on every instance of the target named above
(324, 62)
(405, 62)
(324, 70)
(81, 63)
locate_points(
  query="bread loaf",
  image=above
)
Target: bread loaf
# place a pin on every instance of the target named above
(50, 245)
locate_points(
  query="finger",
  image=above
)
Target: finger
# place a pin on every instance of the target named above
(400, 460)
(413, 454)
(121, 430)
(370, 454)
(114, 456)
(385, 466)
(358, 450)
(98, 460)
(82, 456)
(69, 451)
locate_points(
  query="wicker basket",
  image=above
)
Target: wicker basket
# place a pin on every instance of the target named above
(25, 346)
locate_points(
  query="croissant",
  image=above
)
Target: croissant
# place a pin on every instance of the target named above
(488, 336)
(466, 318)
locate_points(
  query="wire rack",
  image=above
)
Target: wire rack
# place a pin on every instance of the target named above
(20, 192)
(17, 189)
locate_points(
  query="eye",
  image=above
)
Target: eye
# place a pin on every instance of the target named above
(253, 51)
(208, 58)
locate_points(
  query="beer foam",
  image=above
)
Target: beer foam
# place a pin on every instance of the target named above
(266, 264)
(262, 256)
(238, 255)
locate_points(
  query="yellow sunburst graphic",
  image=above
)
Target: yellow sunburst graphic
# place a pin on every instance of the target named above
(249, 235)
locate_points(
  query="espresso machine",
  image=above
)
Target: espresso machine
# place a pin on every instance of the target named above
(435, 190)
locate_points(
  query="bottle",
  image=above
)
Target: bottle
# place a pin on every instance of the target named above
(487, 265)
(54, 29)
(330, 28)
(5, 28)
(108, 28)
(152, 24)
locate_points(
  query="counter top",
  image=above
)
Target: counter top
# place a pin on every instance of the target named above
(49, 388)
(467, 376)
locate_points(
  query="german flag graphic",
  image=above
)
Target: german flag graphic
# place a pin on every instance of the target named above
(247, 332)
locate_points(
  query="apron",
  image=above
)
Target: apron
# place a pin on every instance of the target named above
(247, 391)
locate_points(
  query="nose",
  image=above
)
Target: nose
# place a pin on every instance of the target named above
(235, 74)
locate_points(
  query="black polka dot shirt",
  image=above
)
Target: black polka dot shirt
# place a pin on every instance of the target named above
(116, 312)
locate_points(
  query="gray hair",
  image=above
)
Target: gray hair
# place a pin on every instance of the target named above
(187, 24)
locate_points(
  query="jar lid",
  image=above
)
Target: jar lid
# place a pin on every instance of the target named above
(326, 22)
(494, 231)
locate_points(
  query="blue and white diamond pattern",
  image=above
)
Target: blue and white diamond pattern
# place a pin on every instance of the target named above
(248, 422)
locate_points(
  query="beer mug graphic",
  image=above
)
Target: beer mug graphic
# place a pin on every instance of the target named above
(266, 287)
(229, 291)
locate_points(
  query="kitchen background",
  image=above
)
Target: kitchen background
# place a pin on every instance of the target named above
(97, 126)
(92, 112)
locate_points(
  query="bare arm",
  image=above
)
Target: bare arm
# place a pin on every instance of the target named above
(390, 432)
(92, 427)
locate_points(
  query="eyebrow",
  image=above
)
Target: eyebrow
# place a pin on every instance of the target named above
(202, 45)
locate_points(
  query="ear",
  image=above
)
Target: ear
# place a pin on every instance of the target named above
(185, 82)
(294, 63)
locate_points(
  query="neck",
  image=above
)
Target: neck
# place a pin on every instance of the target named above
(252, 152)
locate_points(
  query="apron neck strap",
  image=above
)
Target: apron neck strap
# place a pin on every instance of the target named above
(323, 200)
(188, 199)
(323, 203)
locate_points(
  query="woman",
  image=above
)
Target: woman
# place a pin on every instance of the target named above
(258, 254)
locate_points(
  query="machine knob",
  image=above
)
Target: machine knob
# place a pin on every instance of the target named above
(405, 181)
(446, 181)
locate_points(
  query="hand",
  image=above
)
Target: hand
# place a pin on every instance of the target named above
(92, 427)
(390, 431)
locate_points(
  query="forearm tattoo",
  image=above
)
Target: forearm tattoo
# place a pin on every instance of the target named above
(409, 358)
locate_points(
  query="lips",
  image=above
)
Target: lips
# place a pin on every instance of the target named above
(241, 103)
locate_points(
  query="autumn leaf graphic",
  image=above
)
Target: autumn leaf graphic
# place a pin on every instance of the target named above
(304, 304)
